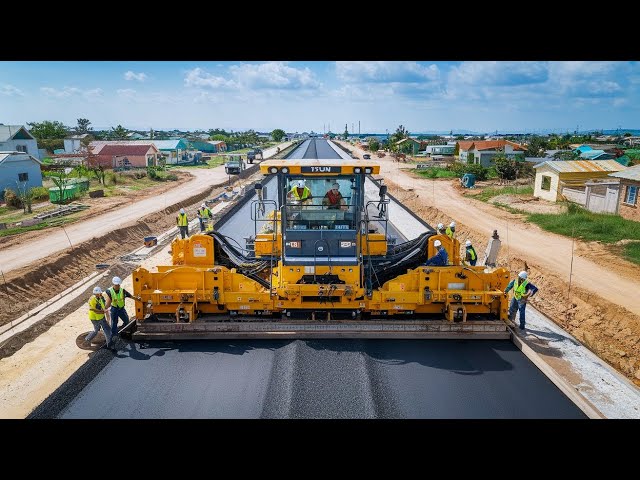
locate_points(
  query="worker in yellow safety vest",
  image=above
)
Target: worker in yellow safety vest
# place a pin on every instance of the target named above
(451, 230)
(97, 312)
(115, 304)
(183, 223)
(204, 215)
(523, 289)
(471, 257)
(300, 192)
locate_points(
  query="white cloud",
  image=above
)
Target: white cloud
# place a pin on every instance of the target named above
(383, 72)
(499, 73)
(264, 76)
(274, 75)
(68, 92)
(10, 90)
(140, 77)
(126, 92)
(199, 78)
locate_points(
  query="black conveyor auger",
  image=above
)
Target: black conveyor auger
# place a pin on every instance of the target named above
(229, 256)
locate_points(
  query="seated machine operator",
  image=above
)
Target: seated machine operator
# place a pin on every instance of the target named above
(334, 199)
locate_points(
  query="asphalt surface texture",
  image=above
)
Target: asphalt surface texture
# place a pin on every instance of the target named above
(317, 379)
(314, 148)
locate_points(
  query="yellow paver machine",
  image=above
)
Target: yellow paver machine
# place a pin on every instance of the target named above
(319, 265)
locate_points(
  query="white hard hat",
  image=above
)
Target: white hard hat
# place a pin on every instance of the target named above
(468, 243)
(97, 290)
(300, 183)
(182, 210)
(116, 281)
(440, 226)
(452, 224)
(523, 274)
(437, 243)
(203, 206)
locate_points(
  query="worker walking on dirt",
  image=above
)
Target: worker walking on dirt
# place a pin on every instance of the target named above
(97, 311)
(183, 223)
(451, 230)
(470, 257)
(115, 300)
(441, 258)
(204, 214)
(522, 291)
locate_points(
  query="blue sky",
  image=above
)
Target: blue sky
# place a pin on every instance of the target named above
(303, 96)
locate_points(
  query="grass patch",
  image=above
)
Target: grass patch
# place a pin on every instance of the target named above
(54, 222)
(490, 192)
(437, 173)
(632, 252)
(587, 225)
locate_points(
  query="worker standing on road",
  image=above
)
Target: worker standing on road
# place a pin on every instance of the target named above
(441, 258)
(97, 311)
(204, 214)
(522, 291)
(471, 257)
(441, 230)
(115, 299)
(451, 230)
(183, 223)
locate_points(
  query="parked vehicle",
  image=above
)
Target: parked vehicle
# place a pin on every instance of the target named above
(235, 164)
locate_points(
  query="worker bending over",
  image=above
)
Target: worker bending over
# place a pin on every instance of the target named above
(441, 258)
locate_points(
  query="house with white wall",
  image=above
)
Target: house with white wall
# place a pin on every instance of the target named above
(16, 138)
(482, 151)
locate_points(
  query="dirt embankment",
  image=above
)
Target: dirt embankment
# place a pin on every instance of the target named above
(608, 329)
(27, 288)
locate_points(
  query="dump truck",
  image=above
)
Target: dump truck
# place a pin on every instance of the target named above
(310, 271)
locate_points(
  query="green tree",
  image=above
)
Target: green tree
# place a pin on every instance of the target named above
(60, 178)
(278, 134)
(505, 167)
(83, 126)
(47, 129)
(118, 133)
(399, 134)
(537, 147)
(374, 145)
(25, 194)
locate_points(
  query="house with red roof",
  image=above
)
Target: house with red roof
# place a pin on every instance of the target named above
(126, 155)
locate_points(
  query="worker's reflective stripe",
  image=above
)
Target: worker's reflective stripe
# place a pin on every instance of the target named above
(92, 304)
(519, 290)
(182, 220)
(206, 213)
(305, 193)
(472, 253)
(117, 298)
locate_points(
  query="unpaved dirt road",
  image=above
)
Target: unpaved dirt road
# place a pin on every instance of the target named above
(27, 252)
(546, 250)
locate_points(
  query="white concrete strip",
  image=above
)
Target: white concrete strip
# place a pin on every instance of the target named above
(603, 386)
(51, 306)
(565, 387)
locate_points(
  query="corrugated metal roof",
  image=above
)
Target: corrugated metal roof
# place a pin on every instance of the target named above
(125, 149)
(168, 144)
(631, 173)
(580, 166)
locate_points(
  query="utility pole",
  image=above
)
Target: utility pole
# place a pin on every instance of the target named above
(358, 127)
